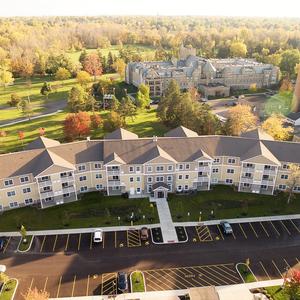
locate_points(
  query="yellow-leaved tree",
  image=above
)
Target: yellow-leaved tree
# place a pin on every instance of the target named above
(274, 126)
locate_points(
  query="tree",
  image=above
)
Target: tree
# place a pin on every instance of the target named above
(119, 66)
(82, 56)
(296, 97)
(46, 89)
(253, 87)
(6, 77)
(62, 74)
(15, 99)
(238, 49)
(240, 119)
(83, 78)
(127, 109)
(114, 121)
(291, 285)
(96, 121)
(110, 62)
(77, 98)
(286, 85)
(274, 125)
(77, 125)
(143, 96)
(21, 136)
(42, 131)
(3, 134)
(92, 65)
(114, 103)
(26, 108)
(35, 294)
(293, 179)
(23, 233)
(289, 59)
(3, 277)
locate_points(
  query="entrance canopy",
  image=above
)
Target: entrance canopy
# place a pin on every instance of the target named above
(160, 186)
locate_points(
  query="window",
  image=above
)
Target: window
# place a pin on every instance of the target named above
(230, 171)
(8, 182)
(249, 165)
(296, 188)
(159, 179)
(26, 190)
(214, 180)
(83, 189)
(44, 178)
(265, 177)
(159, 168)
(28, 201)
(263, 187)
(66, 195)
(187, 176)
(81, 168)
(170, 178)
(284, 176)
(187, 166)
(248, 175)
(138, 190)
(228, 181)
(82, 178)
(282, 187)
(115, 177)
(180, 167)
(13, 204)
(285, 166)
(215, 170)
(97, 166)
(48, 199)
(138, 169)
(186, 187)
(149, 169)
(131, 179)
(231, 160)
(170, 168)
(99, 187)
(217, 160)
(138, 179)
(149, 188)
(11, 193)
(24, 179)
(246, 184)
(131, 169)
(267, 167)
(64, 185)
(98, 176)
(180, 176)
(149, 179)
(179, 188)
(47, 188)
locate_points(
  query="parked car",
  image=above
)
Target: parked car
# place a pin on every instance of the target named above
(2, 243)
(203, 100)
(226, 227)
(98, 236)
(122, 281)
(144, 234)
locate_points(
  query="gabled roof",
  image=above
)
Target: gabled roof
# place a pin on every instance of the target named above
(121, 134)
(259, 153)
(157, 153)
(257, 134)
(42, 142)
(114, 158)
(181, 131)
(159, 185)
(200, 155)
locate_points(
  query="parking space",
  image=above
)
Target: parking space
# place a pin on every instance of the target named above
(186, 277)
(204, 234)
(133, 238)
(10, 244)
(109, 284)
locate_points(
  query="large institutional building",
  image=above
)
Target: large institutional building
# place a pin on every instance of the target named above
(214, 77)
(50, 173)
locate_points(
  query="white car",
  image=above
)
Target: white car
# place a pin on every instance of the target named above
(98, 236)
(2, 268)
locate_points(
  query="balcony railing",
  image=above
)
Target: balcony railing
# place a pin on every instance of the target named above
(114, 182)
(114, 172)
(47, 194)
(269, 172)
(204, 169)
(67, 179)
(202, 179)
(246, 179)
(45, 183)
(43, 191)
(267, 182)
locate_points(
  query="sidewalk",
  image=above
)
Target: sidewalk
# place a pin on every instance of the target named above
(166, 222)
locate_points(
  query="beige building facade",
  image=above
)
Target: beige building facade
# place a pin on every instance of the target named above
(48, 173)
(214, 77)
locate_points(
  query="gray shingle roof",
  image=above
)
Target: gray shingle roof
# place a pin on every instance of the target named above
(121, 134)
(42, 142)
(181, 131)
(257, 134)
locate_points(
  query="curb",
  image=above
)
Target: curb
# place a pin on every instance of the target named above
(28, 249)
(130, 277)
(236, 267)
(187, 237)
(156, 243)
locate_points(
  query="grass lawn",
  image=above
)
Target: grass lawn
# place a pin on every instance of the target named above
(279, 104)
(138, 284)
(94, 210)
(144, 124)
(277, 293)
(227, 203)
(8, 290)
(25, 246)
(246, 273)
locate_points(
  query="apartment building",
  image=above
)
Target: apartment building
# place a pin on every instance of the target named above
(214, 77)
(48, 173)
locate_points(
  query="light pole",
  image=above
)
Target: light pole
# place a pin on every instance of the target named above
(200, 216)
(188, 214)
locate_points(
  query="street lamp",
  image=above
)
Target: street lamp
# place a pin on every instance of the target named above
(188, 214)
(200, 216)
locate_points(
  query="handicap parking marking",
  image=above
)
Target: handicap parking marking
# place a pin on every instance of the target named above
(109, 284)
(264, 269)
(242, 230)
(203, 233)
(220, 231)
(277, 232)
(295, 226)
(284, 226)
(133, 238)
(265, 230)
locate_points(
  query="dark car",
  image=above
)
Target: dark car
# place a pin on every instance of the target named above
(144, 234)
(2, 243)
(226, 227)
(122, 281)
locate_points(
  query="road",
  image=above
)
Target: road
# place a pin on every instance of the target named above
(73, 265)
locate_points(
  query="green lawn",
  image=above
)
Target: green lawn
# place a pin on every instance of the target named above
(25, 246)
(277, 293)
(94, 210)
(227, 203)
(8, 290)
(246, 273)
(138, 284)
(279, 104)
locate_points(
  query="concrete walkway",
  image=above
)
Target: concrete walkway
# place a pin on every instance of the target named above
(166, 222)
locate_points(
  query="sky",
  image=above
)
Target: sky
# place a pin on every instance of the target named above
(252, 8)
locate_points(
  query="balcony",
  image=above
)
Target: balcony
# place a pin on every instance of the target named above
(114, 182)
(272, 171)
(248, 170)
(204, 169)
(202, 179)
(45, 191)
(113, 172)
(267, 182)
(246, 180)
(47, 194)
(45, 183)
(67, 179)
